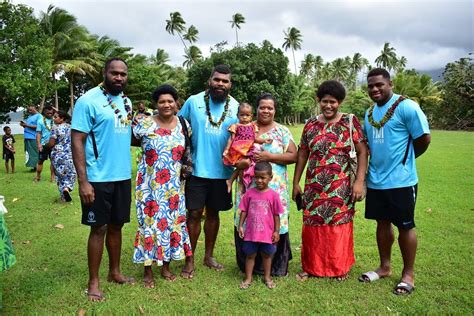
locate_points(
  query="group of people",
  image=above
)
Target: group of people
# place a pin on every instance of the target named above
(46, 136)
(170, 203)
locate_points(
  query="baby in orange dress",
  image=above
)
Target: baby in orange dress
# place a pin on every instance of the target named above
(243, 136)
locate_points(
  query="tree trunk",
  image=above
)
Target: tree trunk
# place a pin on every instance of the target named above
(71, 91)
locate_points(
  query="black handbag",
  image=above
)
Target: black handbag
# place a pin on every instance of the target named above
(186, 159)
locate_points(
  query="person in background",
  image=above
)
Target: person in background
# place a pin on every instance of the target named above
(61, 155)
(43, 133)
(397, 132)
(31, 148)
(8, 153)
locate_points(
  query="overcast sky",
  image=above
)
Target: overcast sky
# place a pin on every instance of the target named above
(428, 33)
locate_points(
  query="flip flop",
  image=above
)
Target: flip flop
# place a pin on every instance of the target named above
(67, 196)
(302, 276)
(149, 284)
(169, 277)
(187, 274)
(125, 280)
(244, 285)
(368, 277)
(270, 284)
(406, 287)
(213, 264)
(94, 297)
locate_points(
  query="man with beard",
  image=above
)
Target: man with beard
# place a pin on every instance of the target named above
(101, 137)
(397, 132)
(210, 114)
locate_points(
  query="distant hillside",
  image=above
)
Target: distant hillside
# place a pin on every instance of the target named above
(435, 74)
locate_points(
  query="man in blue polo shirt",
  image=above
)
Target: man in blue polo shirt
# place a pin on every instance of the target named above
(397, 132)
(101, 137)
(210, 114)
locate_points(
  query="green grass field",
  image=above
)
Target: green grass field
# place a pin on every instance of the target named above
(51, 270)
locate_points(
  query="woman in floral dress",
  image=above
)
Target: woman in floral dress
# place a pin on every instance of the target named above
(280, 153)
(162, 233)
(61, 155)
(328, 198)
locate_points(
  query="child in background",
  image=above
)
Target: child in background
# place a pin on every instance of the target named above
(8, 148)
(241, 144)
(261, 208)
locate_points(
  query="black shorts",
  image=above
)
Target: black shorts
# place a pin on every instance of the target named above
(111, 204)
(394, 205)
(203, 192)
(8, 155)
(44, 154)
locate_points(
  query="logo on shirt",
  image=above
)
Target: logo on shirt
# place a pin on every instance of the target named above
(377, 135)
(120, 127)
(211, 129)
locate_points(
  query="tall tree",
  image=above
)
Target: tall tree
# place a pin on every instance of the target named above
(357, 64)
(72, 45)
(193, 55)
(25, 58)
(387, 58)
(191, 34)
(293, 40)
(340, 69)
(401, 64)
(176, 24)
(307, 66)
(161, 57)
(237, 20)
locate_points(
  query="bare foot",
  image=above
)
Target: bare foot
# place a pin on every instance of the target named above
(245, 284)
(270, 284)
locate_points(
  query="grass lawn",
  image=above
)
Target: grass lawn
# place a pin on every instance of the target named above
(51, 270)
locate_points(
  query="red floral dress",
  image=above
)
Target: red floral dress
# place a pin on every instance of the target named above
(162, 233)
(328, 212)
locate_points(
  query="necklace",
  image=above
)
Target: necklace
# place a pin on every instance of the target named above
(387, 115)
(46, 125)
(208, 111)
(124, 120)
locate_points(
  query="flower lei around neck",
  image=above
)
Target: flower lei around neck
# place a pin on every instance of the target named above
(124, 120)
(208, 111)
(387, 115)
(46, 125)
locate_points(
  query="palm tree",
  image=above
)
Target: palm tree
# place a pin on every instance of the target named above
(318, 65)
(340, 69)
(401, 64)
(307, 66)
(357, 64)
(191, 34)
(387, 58)
(237, 19)
(73, 46)
(193, 55)
(176, 24)
(292, 40)
(161, 57)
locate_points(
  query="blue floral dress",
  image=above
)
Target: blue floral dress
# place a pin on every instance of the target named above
(61, 157)
(162, 233)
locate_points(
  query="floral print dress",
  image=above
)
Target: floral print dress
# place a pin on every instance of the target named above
(162, 233)
(61, 157)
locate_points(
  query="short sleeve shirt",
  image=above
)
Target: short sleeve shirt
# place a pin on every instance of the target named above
(388, 144)
(209, 141)
(94, 115)
(44, 126)
(261, 207)
(30, 133)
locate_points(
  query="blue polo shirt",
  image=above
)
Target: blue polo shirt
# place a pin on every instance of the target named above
(93, 114)
(388, 144)
(209, 141)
